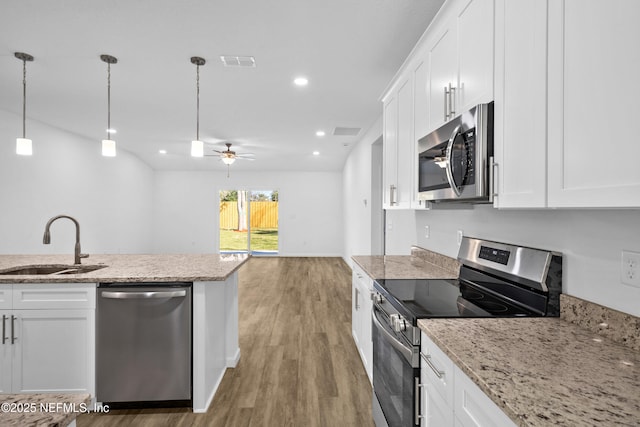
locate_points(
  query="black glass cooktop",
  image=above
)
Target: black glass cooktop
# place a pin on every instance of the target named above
(425, 298)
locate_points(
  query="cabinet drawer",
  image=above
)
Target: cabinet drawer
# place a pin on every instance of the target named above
(5, 297)
(439, 369)
(54, 296)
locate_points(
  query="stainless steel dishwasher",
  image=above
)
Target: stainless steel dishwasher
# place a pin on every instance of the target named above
(143, 342)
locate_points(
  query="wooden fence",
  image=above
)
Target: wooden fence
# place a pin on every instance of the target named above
(263, 215)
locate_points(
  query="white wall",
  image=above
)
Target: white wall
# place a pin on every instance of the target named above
(400, 229)
(357, 200)
(310, 210)
(590, 240)
(110, 197)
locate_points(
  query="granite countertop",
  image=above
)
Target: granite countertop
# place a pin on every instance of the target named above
(41, 409)
(545, 371)
(421, 264)
(129, 268)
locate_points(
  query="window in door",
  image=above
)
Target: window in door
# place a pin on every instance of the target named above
(249, 221)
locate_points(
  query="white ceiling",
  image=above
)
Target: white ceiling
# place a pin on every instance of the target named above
(348, 49)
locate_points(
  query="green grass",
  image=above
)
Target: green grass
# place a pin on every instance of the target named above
(262, 239)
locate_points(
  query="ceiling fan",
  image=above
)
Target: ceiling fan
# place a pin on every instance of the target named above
(228, 156)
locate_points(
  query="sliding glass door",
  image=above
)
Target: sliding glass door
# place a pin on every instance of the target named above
(249, 221)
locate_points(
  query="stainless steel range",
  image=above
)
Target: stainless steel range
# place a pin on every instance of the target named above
(496, 280)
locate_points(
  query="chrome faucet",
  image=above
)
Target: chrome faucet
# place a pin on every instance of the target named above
(46, 239)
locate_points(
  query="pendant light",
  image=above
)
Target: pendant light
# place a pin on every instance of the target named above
(23, 145)
(197, 146)
(109, 145)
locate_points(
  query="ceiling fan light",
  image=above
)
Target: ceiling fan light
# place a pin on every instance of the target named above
(24, 147)
(228, 160)
(108, 148)
(197, 148)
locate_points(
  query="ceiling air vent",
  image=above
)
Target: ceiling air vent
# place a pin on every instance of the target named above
(238, 61)
(341, 131)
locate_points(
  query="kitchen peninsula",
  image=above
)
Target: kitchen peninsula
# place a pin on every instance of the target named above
(33, 303)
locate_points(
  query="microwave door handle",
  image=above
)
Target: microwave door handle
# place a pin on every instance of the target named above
(452, 182)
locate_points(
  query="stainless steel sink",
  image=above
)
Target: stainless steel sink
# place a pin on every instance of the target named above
(55, 269)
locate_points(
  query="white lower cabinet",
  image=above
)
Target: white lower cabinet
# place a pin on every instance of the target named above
(473, 408)
(436, 377)
(361, 306)
(449, 397)
(48, 338)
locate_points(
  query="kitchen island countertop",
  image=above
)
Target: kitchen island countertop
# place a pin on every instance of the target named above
(129, 268)
(545, 371)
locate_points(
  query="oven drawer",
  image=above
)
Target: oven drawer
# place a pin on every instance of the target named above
(439, 369)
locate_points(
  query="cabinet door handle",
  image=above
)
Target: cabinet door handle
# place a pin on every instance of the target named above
(493, 177)
(446, 102)
(392, 194)
(416, 393)
(452, 101)
(4, 329)
(357, 302)
(438, 372)
(13, 329)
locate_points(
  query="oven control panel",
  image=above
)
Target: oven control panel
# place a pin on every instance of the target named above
(496, 255)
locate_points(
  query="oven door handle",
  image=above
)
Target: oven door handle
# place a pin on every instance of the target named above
(406, 351)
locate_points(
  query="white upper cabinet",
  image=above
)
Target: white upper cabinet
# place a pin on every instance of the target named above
(594, 85)
(520, 140)
(475, 53)
(406, 143)
(460, 49)
(390, 152)
(398, 143)
(420, 71)
(442, 76)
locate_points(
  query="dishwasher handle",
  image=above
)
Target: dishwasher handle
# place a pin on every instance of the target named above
(143, 295)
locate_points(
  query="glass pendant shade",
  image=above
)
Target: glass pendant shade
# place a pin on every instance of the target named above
(228, 160)
(108, 148)
(24, 147)
(197, 148)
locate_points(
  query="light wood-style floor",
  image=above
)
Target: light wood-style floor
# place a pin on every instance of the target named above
(299, 365)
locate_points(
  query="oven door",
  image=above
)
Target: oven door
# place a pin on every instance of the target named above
(396, 366)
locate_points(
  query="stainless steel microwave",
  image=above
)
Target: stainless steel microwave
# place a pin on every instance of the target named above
(454, 161)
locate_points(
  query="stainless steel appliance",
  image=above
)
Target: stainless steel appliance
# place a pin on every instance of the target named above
(143, 342)
(455, 161)
(496, 280)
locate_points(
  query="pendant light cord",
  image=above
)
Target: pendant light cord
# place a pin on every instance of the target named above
(24, 98)
(108, 100)
(197, 102)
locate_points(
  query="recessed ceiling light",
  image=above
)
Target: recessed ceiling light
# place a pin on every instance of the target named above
(316, 153)
(301, 81)
(320, 133)
(162, 151)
